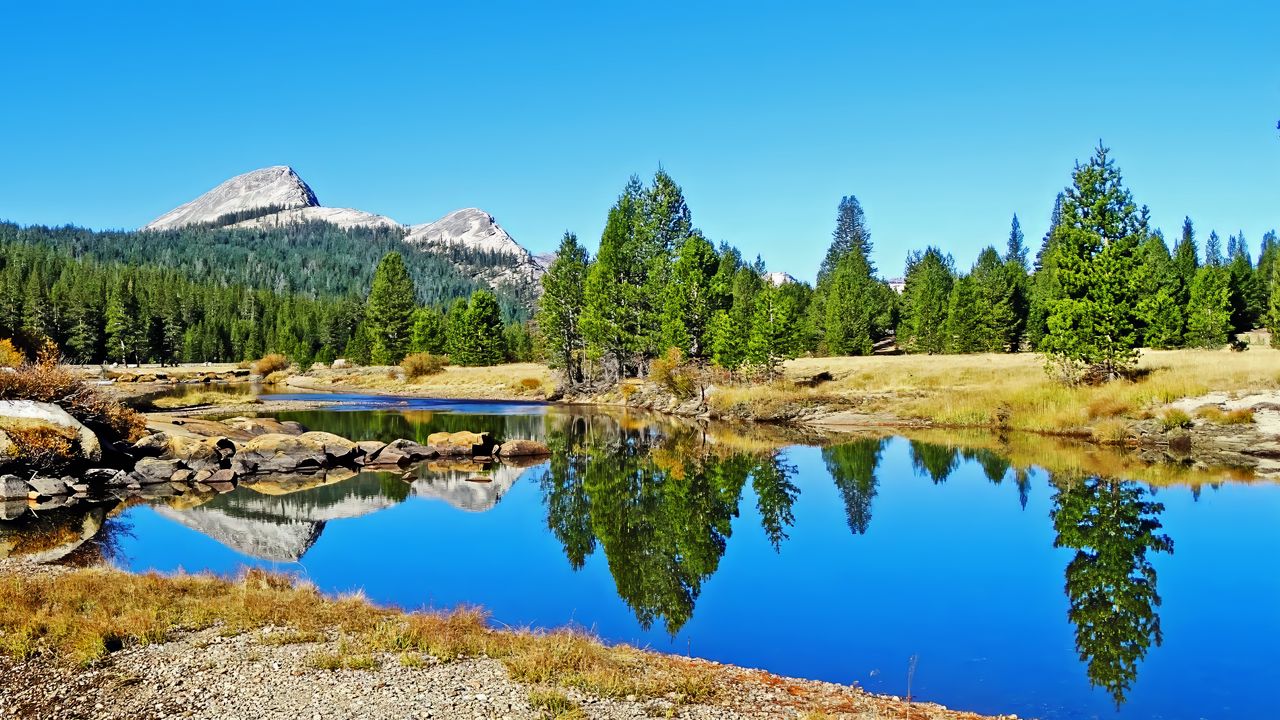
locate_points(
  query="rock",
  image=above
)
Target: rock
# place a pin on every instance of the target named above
(48, 487)
(411, 450)
(476, 229)
(182, 476)
(201, 476)
(220, 487)
(152, 445)
(12, 509)
(254, 427)
(221, 476)
(367, 451)
(12, 487)
(105, 477)
(523, 448)
(340, 364)
(337, 448)
(150, 471)
(209, 449)
(273, 186)
(29, 415)
(78, 488)
(275, 452)
(461, 443)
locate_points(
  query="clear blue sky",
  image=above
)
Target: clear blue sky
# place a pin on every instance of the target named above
(944, 119)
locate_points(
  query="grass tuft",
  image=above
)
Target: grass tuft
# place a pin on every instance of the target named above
(554, 705)
(1218, 416)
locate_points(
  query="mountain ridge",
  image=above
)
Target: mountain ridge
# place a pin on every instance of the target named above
(277, 196)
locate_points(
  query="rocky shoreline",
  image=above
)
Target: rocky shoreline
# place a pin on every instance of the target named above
(271, 672)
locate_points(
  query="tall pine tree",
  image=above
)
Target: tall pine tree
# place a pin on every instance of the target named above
(389, 313)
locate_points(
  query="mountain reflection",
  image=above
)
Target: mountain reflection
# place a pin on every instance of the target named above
(660, 505)
(1111, 585)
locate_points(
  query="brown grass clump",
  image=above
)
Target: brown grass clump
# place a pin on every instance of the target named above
(670, 371)
(1173, 419)
(418, 365)
(203, 398)
(271, 363)
(46, 381)
(276, 378)
(1111, 431)
(76, 616)
(554, 705)
(10, 356)
(44, 447)
(1216, 415)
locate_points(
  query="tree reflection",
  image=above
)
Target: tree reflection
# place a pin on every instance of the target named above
(661, 506)
(853, 469)
(1111, 585)
(936, 461)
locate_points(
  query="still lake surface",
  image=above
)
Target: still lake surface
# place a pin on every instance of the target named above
(1014, 590)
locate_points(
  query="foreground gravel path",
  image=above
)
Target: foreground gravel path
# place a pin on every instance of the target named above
(205, 675)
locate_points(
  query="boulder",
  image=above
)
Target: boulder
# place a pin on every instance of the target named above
(340, 364)
(461, 443)
(13, 488)
(411, 450)
(11, 508)
(48, 487)
(29, 415)
(208, 450)
(368, 451)
(276, 452)
(152, 445)
(523, 448)
(254, 427)
(105, 477)
(150, 471)
(338, 449)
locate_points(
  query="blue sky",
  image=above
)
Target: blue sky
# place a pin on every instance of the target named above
(944, 119)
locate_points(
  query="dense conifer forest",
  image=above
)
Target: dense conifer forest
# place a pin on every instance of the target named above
(657, 296)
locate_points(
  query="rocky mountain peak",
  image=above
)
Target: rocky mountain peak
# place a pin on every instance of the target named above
(277, 186)
(472, 228)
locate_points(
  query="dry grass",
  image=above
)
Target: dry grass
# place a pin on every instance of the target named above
(1216, 415)
(419, 365)
(1013, 391)
(554, 705)
(77, 616)
(268, 364)
(490, 383)
(204, 398)
(46, 381)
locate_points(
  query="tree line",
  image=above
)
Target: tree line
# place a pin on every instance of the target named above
(1103, 283)
(98, 311)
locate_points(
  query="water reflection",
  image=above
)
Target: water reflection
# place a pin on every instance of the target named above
(650, 507)
(1111, 584)
(660, 505)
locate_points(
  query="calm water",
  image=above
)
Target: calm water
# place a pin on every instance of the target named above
(1050, 597)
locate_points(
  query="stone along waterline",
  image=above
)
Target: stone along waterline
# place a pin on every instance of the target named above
(839, 563)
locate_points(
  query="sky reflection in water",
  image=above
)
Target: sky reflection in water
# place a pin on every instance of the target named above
(1018, 592)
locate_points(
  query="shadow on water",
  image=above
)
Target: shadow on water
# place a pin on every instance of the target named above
(657, 500)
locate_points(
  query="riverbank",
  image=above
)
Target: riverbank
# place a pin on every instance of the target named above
(100, 643)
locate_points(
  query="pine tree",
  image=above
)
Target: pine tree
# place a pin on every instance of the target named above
(1273, 311)
(615, 309)
(1213, 250)
(925, 299)
(690, 297)
(455, 320)
(774, 328)
(1248, 297)
(1160, 310)
(1043, 286)
(851, 233)
(1092, 326)
(1209, 312)
(482, 342)
(124, 331)
(995, 288)
(1016, 250)
(560, 311)
(964, 321)
(389, 314)
(850, 305)
(429, 332)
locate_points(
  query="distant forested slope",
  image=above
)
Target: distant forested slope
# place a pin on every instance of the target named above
(314, 260)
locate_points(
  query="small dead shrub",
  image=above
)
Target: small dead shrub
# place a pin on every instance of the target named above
(47, 381)
(419, 365)
(268, 364)
(43, 447)
(276, 378)
(670, 371)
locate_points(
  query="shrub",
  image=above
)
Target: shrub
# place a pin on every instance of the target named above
(1174, 419)
(10, 356)
(41, 447)
(46, 381)
(276, 377)
(268, 364)
(1111, 430)
(421, 364)
(1215, 414)
(673, 373)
